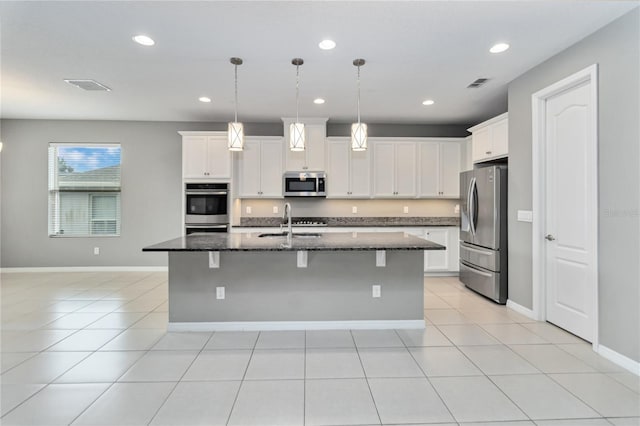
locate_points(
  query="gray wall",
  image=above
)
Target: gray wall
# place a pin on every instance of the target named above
(615, 48)
(403, 130)
(151, 191)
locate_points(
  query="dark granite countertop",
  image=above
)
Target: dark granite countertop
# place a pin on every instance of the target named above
(264, 222)
(326, 242)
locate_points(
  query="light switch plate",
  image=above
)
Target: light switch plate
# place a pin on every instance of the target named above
(405, 209)
(248, 209)
(275, 209)
(376, 291)
(525, 216)
(354, 209)
(456, 209)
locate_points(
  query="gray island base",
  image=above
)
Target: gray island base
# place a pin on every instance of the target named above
(318, 283)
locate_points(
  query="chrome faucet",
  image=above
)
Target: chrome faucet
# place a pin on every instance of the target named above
(286, 215)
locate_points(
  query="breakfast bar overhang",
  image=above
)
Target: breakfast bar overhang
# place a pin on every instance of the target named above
(235, 281)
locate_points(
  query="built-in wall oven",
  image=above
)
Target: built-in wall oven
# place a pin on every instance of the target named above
(206, 207)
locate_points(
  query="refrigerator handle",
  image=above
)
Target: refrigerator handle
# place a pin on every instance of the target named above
(470, 206)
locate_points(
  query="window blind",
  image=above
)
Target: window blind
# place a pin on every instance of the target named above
(84, 189)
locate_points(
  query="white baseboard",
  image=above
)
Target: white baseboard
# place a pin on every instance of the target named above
(295, 325)
(520, 309)
(87, 269)
(442, 274)
(619, 359)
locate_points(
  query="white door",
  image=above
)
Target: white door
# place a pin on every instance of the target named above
(383, 169)
(429, 169)
(570, 220)
(450, 169)
(249, 162)
(271, 169)
(195, 163)
(406, 162)
(338, 169)
(359, 174)
(437, 260)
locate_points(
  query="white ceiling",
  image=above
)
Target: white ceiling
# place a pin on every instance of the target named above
(414, 51)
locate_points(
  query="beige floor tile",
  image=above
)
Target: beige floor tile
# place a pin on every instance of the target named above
(43, 368)
(85, 340)
(101, 367)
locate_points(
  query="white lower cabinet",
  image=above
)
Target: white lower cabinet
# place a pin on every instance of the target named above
(435, 260)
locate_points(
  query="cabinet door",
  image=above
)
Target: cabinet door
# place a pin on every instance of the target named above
(405, 165)
(271, 169)
(338, 169)
(453, 249)
(500, 138)
(194, 157)
(315, 147)
(429, 169)
(249, 164)
(437, 260)
(219, 158)
(383, 169)
(450, 169)
(360, 173)
(480, 144)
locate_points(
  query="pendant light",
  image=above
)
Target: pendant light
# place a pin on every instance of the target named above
(296, 130)
(236, 130)
(358, 130)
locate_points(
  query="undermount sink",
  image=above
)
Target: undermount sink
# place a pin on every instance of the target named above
(295, 235)
(271, 235)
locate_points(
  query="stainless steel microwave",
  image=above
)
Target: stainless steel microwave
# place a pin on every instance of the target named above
(305, 184)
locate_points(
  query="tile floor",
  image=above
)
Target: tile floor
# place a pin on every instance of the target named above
(92, 349)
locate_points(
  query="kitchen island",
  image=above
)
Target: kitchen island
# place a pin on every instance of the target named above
(244, 281)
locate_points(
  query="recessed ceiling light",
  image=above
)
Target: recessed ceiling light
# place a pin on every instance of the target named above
(318, 101)
(204, 99)
(499, 48)
(428, 102)
(144, 40)
(327, 44)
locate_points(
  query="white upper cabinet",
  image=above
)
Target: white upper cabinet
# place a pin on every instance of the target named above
(205, 156)
(439, 168)
(490, 139)
(313, 157)
(450, 156)
(394, 169)
(348, 172)
(260, 168)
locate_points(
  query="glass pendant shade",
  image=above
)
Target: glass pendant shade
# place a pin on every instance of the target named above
(296, 137)
(359, 137)
(236, 136)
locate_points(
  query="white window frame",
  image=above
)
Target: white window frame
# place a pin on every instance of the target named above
(53, 178)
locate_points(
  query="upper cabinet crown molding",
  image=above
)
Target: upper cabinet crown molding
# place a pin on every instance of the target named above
(222, 133)
(490, 139)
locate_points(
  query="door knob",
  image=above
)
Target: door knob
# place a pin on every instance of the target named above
(550, 237)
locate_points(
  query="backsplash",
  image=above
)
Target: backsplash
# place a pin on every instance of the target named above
(315, 207)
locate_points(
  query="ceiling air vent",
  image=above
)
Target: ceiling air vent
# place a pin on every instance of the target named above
(88, 85)
(477, 83)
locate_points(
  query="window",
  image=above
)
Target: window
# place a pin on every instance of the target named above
(84, 189)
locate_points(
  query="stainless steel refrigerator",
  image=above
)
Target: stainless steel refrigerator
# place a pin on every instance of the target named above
(483, 231)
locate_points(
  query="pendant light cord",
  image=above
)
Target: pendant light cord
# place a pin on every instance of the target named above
(236, 92)
(297, 90)
(358, 94)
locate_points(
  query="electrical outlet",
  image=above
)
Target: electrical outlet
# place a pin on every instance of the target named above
(375, 291)
(248, 209)
(354, 209)
(405, 209)
(275, 209)
(219, 292)
(96, 251)
(456, 209)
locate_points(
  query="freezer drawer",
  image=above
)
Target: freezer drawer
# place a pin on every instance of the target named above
(480, 256)
(490, 284)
